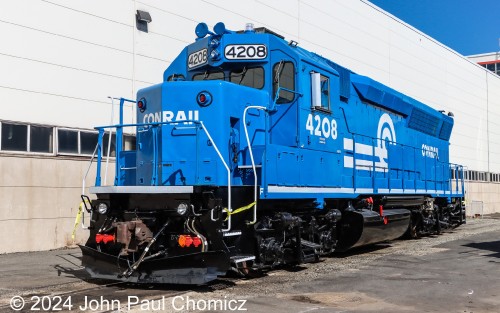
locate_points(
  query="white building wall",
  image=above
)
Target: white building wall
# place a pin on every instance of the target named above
(60, 61)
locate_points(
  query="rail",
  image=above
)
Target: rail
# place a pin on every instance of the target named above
(450, 181)
(154, 177)
(88, 168)
(251, 157)
(229, 208)
(110, 135)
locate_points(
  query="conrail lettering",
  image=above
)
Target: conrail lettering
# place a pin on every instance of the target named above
(430, 152)
(171, 116)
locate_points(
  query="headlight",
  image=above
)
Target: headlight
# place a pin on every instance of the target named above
(102, 208)
(215, 55)
(182, 208)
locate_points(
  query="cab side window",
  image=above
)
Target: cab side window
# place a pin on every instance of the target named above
(320, 91)
(284, 77)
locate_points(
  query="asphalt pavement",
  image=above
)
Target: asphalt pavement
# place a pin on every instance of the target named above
(455, 272)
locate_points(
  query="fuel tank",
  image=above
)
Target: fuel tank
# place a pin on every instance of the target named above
(364, 227)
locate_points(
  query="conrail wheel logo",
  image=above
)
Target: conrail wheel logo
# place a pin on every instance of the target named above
(366, 157)
(386, 134)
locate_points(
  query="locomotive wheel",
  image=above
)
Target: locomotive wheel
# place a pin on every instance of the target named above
(436, 216)
(412, 232)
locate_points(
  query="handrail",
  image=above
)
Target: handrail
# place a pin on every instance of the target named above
(154, 125)
(88, 168)
(119, 134)
(446, 178)
(145, 124)
(257, 107)
(277, 95)
(229, 208)
(110, 134)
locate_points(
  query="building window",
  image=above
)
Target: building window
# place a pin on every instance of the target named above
(67, 141)
(41, 139)
(19, 137)
(284, 77)
(129, 142)
(105, 145)
(14, 137)
(88, 142)
(492, 66)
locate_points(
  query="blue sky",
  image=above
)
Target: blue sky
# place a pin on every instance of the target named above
(466, 26)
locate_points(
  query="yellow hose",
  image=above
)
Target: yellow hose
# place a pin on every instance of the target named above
(239, 210)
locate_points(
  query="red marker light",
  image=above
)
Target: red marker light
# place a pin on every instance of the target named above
(105, 238)
(185, 241)
(141, 105)
(203, 98)
(189, 241)
(196, 242)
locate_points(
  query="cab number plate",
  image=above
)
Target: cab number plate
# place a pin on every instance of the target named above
(245, 52)
(197, 58)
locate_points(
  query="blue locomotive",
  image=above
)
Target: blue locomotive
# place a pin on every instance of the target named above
(255, 153)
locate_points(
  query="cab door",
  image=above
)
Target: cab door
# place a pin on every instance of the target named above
(283, 127)
(319, 135)
(319, 115)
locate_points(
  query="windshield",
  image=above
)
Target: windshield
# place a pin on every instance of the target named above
(209, 76)
(250, 77)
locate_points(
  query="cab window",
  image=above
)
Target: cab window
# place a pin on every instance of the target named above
(325, 92)
(284, 77)
(320, 91)
(251, 77)
(176, 77)
(209, 76)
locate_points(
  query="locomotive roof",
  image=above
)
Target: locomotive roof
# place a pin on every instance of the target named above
(366, 88)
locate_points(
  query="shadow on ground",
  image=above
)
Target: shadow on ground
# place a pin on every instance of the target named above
(493, 246)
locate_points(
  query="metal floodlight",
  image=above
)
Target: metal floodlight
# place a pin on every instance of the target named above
(143, 16)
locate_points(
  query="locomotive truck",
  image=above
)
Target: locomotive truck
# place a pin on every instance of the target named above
(254, 153)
